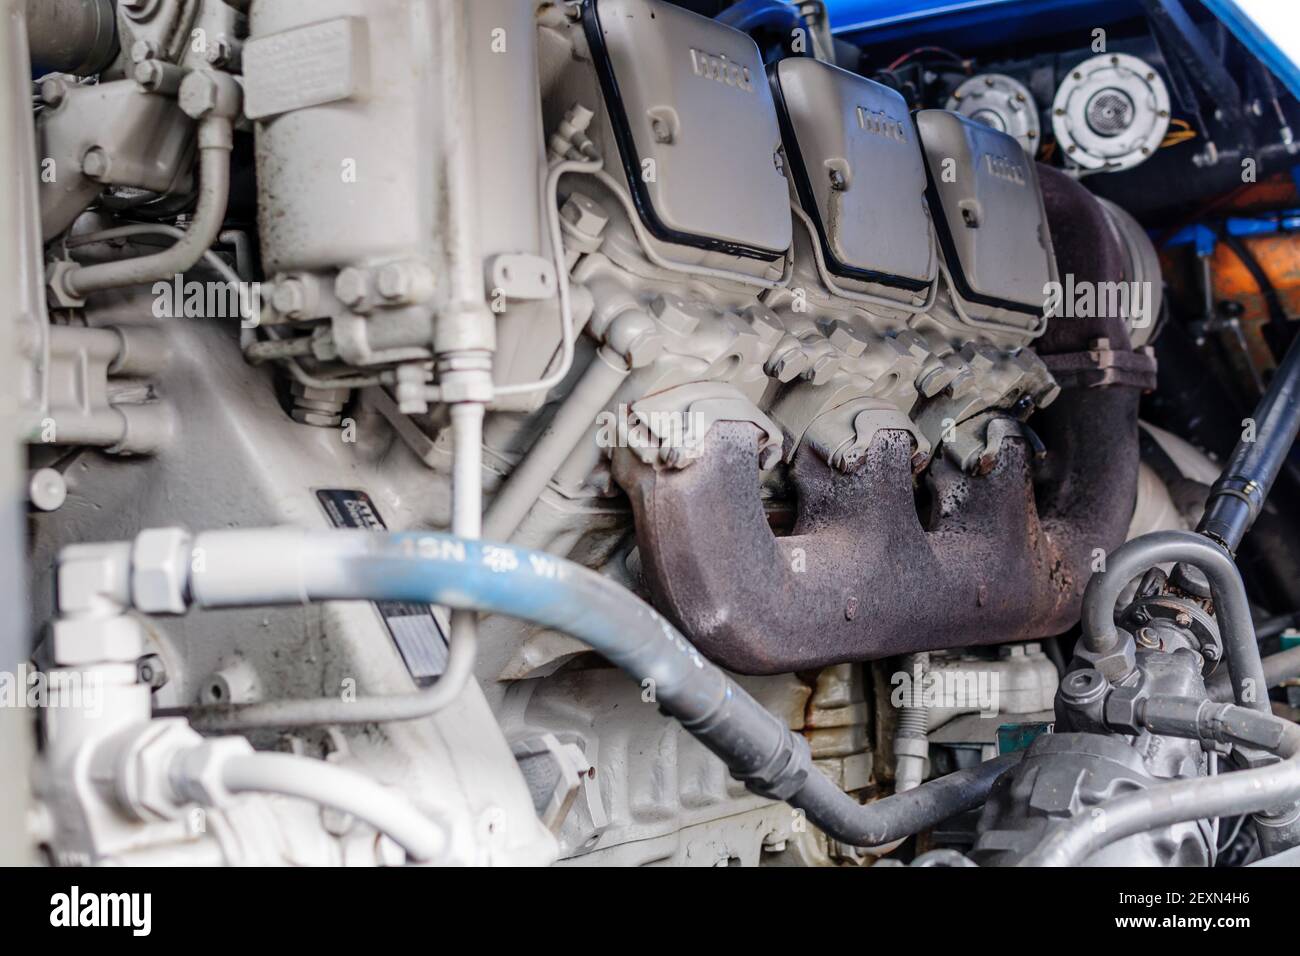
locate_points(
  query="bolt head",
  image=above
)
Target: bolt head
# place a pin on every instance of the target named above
(289, 298)
(351, 286)
(53, 90)
(788, 366)
(96, 163)
(393, 281)
(142, 50)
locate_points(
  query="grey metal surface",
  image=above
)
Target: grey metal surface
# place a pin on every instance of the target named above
(861, 176)
(989, 212)
(694, 97)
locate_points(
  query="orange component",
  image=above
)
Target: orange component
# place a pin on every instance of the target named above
(1278, 256)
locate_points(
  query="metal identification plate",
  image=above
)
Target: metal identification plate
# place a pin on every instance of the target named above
(416, 632)
(307, 66)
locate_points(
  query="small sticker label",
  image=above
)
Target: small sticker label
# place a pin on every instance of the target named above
(415, 630)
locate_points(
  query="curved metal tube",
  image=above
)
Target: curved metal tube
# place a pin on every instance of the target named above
(205, 226)
(1100, 635)
(291, 775)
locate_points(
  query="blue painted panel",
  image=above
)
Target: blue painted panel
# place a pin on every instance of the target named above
(1258, 42)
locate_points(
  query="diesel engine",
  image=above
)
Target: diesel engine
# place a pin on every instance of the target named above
(624, 431)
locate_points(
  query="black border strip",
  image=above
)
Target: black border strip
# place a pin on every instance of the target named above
(803, 186)
(631, 160)
(949, 248)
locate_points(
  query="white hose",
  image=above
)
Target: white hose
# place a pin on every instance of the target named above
(340, 789)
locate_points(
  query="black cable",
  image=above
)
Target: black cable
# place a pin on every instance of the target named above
(1278, 331)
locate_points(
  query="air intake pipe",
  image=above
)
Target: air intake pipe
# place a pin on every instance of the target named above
(1005, 555)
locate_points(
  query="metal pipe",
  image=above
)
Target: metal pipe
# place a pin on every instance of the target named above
(571, 423)
(1230, 794)
(1232, 608)
(292, 566)
(1238, 495)
(71, 36)
(1278, 669)
(205, 226)
(341, 789)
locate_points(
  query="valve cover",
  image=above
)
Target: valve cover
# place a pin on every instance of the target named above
(857, 165)
(695, 124)
(988, 212)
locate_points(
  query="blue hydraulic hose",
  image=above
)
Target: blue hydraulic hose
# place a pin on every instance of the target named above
(286, 566)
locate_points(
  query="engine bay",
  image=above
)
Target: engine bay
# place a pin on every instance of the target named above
(631, 432)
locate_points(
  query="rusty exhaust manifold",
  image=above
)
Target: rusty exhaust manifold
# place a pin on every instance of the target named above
(1001, 557)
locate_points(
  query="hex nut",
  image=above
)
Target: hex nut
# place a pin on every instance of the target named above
(584, 215)
(198, 770)
(143, 781)
(160, 563)
(844, 338)
(677, 314)
(788, 365)
(82, 641)
(204, 93)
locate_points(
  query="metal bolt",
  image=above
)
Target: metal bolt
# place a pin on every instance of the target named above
(142, 50)
(393, 281)
(96, 163)
(53, 90)
(47, 490)
(351, 286)
(152, 671)
(838, 182)
(788, 366)
(290, 298)
(220, 52)
(1183, 619)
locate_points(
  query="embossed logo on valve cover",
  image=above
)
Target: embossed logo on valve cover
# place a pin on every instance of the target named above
(881, 124)
(1004, 168)
(721, 69)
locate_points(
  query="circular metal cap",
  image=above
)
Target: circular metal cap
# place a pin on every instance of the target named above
(1002, 102)
(46, 489)
(1111, 112)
